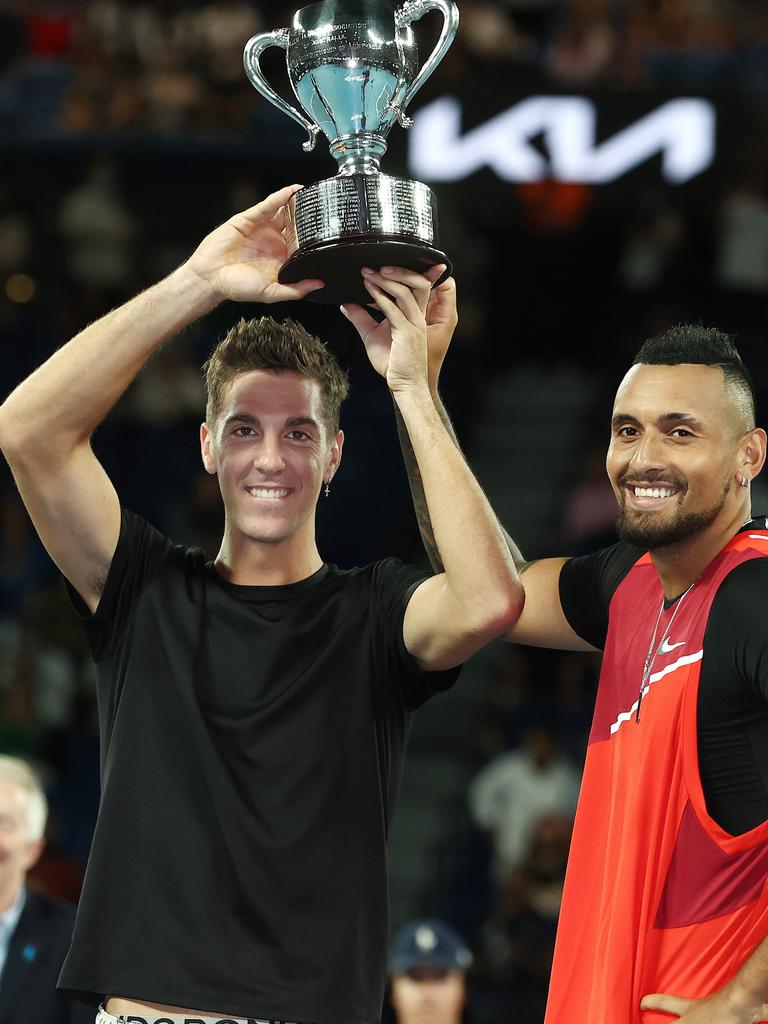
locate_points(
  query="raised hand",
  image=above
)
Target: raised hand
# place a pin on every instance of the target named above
(241, 258)
(438, 306)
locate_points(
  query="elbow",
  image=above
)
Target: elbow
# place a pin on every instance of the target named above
(499, 614)
(8, 442)
(14, 440)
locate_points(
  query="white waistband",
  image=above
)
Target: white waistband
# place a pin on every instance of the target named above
(103, 1017)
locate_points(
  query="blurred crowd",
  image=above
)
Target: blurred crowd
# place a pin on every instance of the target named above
(170, 66)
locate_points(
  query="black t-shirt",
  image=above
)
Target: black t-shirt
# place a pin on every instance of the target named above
(732, 713)
(252, 740)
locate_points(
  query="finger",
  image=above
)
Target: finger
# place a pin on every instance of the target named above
(666, 1003)
(269, 206)
(402, 294)
(413, 278)
(386, 304)
(448, 285)
(441, 307)
(359, 317)
(290, 292)
(435, 272)
(418, 283)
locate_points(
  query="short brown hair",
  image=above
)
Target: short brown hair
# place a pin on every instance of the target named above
(267, 344)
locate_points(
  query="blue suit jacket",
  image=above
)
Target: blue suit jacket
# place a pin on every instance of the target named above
(28, 993)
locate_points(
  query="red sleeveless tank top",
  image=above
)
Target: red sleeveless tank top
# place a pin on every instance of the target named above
(658, 897)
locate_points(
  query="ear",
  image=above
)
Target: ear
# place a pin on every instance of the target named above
(334, 459)
(753, 452)
(35, 848)
(206, 449)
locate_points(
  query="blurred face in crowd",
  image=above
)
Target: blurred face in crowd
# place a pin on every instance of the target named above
(428, 995)
(18, 852)
(271, 451)
(679, 439)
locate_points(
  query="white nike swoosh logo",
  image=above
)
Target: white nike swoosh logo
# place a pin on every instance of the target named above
(665, 646)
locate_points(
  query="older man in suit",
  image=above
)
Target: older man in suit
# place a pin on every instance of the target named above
(34, 930)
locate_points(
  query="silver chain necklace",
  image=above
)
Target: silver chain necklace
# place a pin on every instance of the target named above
(652, 654)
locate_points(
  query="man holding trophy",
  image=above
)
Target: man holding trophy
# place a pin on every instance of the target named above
(254, 710)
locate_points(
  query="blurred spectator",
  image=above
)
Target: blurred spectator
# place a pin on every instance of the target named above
(589, 512)
(222, 28)
(584, 47)
(24, 565)
(653, 242)
(35, 930)
(516, 788)
(488, 33)
(520, 934)
(15, 233)
(42, 665)
(168, 391)
(50, 27)
(428, 961)
(98, 230)
(742, 236)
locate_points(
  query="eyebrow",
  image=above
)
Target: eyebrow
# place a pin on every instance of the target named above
(292, 421)
(665, 419)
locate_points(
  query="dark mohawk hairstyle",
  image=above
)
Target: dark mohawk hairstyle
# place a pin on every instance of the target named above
(706, 346)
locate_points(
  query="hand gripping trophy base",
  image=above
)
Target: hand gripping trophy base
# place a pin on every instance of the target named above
(337, 226)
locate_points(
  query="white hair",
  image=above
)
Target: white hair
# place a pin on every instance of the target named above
(13, 769)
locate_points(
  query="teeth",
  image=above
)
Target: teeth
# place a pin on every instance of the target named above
(267, 492)
(653, 492)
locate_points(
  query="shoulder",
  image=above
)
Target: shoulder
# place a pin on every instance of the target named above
(54, 912)
(740, 597)
(736, 641)
(586, 587)
(603, 569)
(394, 574)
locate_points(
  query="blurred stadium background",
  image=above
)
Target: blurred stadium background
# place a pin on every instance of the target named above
(601, 170)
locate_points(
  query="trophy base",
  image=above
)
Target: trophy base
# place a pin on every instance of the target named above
(339, 263)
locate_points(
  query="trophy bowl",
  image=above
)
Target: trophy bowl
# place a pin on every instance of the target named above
(353, 67)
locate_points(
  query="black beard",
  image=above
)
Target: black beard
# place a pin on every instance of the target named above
(651, 536)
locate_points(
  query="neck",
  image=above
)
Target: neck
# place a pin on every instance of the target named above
(262, 563)
(680, 565)
(10, 893)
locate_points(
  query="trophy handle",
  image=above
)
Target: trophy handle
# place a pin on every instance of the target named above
(253, 50)
(413, 10)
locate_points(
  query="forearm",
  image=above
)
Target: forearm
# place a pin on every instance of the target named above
(749, 987)
(66, 398)
(417, 488)
(464, 534)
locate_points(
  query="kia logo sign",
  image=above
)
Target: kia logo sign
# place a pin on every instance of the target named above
(681, 130)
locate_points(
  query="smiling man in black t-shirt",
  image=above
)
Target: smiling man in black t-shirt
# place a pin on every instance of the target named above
(254, 709)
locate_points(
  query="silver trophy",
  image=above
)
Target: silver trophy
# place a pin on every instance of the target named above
(353, 66)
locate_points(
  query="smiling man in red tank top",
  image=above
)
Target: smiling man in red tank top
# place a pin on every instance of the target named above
(665, 909)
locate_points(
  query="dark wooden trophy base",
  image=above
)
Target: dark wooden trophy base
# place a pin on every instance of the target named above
(339, 263)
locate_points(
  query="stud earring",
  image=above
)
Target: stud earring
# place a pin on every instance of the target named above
(743, 481)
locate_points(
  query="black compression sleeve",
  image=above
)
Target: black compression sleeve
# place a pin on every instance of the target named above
(733, 701)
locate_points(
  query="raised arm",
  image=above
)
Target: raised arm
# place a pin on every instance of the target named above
(478, 595)
(542, 622)
(47, 422)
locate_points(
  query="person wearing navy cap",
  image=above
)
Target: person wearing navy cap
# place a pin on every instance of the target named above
(427, 964)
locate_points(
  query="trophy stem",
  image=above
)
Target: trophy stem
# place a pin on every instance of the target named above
(359, 154)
